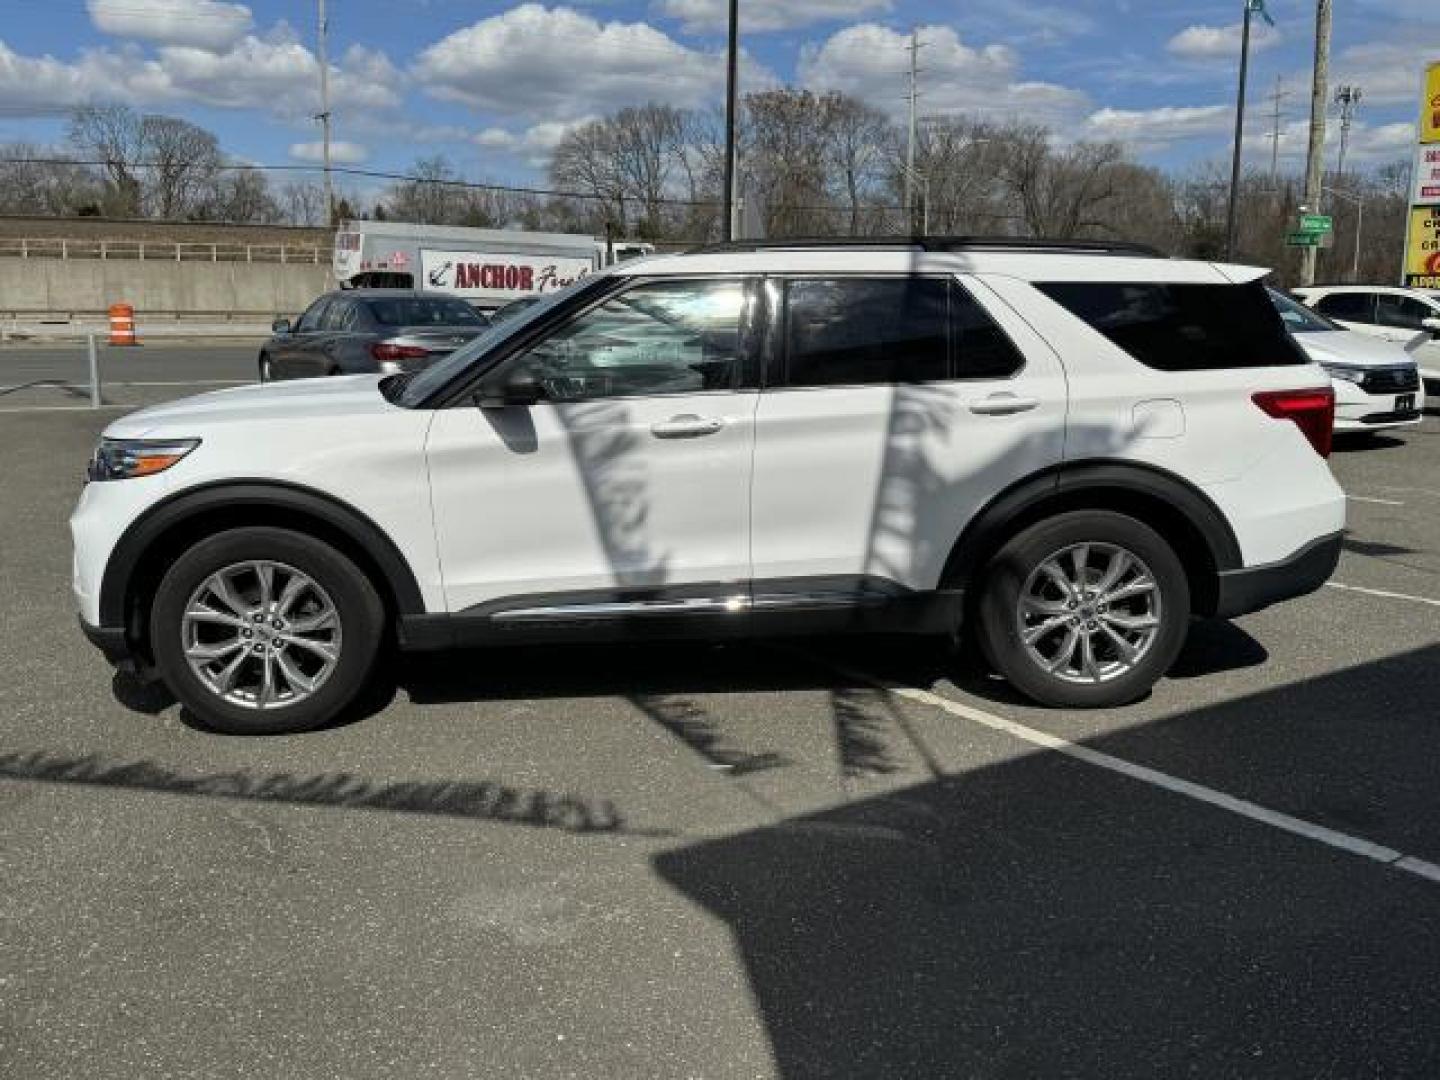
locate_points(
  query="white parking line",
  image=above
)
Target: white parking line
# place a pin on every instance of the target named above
(1354, 845)
(1383, 593)
(1367, 499)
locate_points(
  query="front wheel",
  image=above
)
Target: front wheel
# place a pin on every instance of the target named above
(262, 631)
(1087, 609)
(267, 370)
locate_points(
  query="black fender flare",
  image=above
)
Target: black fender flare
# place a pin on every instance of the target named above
(225, 496)
(1069, 485)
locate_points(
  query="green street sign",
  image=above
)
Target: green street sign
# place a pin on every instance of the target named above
(1316, 223)
(1303, 239)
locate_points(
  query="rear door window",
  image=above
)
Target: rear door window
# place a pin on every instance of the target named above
(886, 331)
(1173, 327)
(1403, 312)
(864, 331)
(1348, 306)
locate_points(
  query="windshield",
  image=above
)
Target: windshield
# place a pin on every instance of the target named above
(433, 378)
(423, 311)
(1298, 318)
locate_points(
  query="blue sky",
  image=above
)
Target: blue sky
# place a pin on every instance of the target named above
(493, 85)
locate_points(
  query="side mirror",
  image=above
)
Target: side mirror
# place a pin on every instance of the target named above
(519, 392)
(280, 326)
(1433, 325)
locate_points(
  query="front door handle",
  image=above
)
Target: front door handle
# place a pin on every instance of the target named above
(1003, 405)
(686, 426)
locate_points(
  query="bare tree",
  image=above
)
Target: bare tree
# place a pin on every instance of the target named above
(587, 160)
(183, 166)
(112, 135)
(858, 140)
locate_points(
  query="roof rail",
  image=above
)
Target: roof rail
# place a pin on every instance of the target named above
(936, 243)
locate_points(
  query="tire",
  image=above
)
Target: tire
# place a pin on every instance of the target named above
(1099, 674)
(326, 635)
(267, 372)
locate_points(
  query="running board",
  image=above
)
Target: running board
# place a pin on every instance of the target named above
(700, 605)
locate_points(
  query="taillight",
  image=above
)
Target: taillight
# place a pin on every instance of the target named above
(385, 351)
(1313, 412)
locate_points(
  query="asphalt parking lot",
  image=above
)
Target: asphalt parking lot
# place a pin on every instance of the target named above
(800, 859)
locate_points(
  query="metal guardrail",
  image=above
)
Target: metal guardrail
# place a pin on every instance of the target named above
(25, 247)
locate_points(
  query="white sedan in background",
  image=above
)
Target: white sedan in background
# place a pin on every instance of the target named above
(1377, 383)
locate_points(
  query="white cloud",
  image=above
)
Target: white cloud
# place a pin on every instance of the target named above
(869, 61)
(1220, 42)
(559, 64)
(341, 152)
(1151, 127)
(699, 16)
(1388, 71)
(535, 144)
(205, 24)
(1369, 146)
(276, 74)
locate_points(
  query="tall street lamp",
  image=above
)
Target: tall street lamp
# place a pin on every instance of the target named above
(1359, 204)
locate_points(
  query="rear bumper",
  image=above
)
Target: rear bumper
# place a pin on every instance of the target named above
(1257, 587)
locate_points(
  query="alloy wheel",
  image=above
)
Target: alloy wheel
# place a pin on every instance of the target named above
(261, 634)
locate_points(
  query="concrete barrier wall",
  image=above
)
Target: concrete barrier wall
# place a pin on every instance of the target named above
(70, 287)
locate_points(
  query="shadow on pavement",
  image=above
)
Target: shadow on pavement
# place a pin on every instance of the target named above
(1043, 917)
(484, 800)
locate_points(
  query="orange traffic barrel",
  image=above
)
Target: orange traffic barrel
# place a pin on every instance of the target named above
(122, 325)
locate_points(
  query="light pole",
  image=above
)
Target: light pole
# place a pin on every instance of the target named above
(1239, 134)
(1359, 204)
(732, 56)
(915, 175)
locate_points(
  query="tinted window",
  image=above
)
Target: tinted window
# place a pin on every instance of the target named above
(313, 314)
(1183, 327)
(982, 351)
(1352, 307)
(848, 331)
(1400, 311)
(671, 337)
(423, 311)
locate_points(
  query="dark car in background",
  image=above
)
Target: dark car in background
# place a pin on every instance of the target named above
(358, 331)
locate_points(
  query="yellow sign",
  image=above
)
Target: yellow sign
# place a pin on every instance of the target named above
(1422, 251)
(1430, 106)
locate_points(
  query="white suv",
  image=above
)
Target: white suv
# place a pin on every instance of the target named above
(1072, 449)
(1408, 317)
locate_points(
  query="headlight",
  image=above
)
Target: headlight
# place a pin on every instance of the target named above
(123, 459)
(1348, 374)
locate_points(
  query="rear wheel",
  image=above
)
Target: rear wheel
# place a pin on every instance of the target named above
(1087, 609)
(267, 373)
(261, 631)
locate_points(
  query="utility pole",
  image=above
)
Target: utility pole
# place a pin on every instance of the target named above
(728, 227)
(1347, 98)
(1239, 137)
(324, 116)
(1315, 155)
(1275, 117)
(914, 48)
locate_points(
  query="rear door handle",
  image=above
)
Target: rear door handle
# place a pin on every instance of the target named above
(1003, 405)
(686, 426)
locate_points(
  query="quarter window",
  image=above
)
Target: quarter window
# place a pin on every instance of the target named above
(1183, 327)
(668, 337)
(1349, 306)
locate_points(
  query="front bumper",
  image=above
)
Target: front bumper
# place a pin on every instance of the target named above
(113, 644)
(1356, 410)
(1255, 587)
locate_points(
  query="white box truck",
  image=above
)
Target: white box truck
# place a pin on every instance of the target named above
(488, 267)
